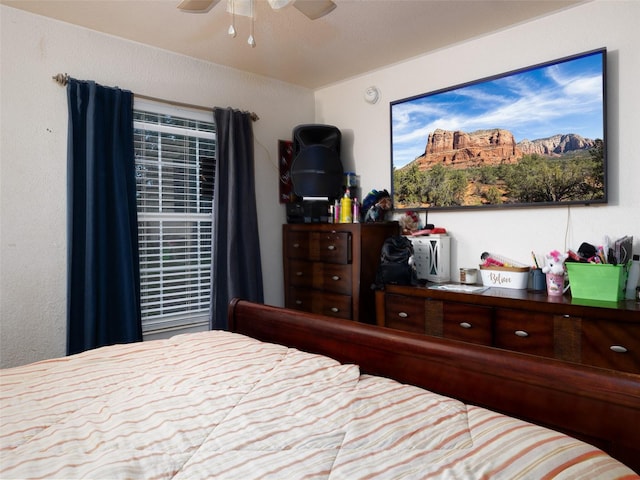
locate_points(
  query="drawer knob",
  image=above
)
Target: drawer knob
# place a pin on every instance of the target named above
(335, 277)
(618, 348)
(403, 314)
(296, 245)
(298, 274)
(298, 302)
(465, 324)
(335, 309)
(331, 247)
(521, 333)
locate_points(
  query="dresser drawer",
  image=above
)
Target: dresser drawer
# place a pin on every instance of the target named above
(329, 277)
(323, 303)
(526, 332)
(611, 345)
(405, 313)
(468, 323)
(318, 246)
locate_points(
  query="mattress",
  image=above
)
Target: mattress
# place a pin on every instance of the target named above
(221, 405)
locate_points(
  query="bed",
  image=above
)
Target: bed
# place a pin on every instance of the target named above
(291, 395)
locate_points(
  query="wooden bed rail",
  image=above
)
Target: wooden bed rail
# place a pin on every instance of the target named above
(599, 406)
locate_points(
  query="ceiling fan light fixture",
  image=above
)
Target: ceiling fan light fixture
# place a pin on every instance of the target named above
(251, 40)
(197, 6)
(243, 8)
(314, 9)
(232, 28)
(278, 4)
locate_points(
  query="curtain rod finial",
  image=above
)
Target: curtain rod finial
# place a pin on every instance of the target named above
(61, 78)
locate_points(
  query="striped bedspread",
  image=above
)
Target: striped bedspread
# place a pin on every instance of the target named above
(222, 405)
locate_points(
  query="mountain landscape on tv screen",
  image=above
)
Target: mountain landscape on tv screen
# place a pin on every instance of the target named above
(458, 149)
(488, 167)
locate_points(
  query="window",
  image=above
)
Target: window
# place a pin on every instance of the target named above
(175, 151)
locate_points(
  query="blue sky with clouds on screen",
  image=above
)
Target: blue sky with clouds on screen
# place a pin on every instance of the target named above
(557, 99)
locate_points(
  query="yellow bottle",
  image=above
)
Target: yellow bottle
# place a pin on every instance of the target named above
(345, 208)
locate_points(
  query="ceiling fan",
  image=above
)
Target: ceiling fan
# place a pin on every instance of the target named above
(311, 8)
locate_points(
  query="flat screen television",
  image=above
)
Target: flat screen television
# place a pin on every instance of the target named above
(530, 137)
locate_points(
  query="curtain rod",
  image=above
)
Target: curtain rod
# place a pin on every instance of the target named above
(62, 79)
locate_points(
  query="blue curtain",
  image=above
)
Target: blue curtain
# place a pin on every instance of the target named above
(236, 262)
(103, 306)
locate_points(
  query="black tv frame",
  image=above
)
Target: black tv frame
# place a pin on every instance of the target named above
(404, 111)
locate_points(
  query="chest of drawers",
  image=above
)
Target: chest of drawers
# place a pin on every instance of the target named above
(329, 268)
(601, 335)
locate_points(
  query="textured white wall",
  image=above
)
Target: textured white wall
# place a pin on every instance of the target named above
(33, 158)
(512, 232)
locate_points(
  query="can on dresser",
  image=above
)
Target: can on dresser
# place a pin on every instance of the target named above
(469, 275)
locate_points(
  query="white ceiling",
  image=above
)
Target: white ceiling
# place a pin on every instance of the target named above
(357, 37)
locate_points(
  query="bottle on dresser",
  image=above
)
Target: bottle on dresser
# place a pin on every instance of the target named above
(345, 208)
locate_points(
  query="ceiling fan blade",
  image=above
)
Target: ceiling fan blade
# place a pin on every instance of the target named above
(314, 8)
(197, 6)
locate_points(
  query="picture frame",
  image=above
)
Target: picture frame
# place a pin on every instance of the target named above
(285, 159)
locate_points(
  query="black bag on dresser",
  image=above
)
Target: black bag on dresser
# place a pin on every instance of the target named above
(396, 263)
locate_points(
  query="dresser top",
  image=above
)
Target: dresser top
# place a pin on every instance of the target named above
(329, 227)
(624, 310)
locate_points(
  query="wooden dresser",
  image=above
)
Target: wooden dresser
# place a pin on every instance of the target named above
(329, 268)
(601, 334)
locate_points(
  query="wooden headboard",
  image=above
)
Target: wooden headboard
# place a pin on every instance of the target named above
(599, 406)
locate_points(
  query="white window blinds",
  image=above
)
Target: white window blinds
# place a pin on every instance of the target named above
(175, 151)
